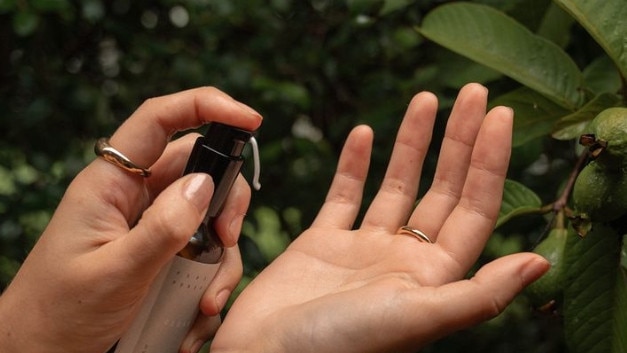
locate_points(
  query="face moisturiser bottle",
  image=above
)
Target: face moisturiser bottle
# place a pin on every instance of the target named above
(172, 304)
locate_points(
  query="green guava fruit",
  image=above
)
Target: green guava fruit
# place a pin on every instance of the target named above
(610, 130)
(546, 292)
(599, 193)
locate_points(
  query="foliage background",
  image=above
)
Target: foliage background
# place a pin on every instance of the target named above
(73, 70)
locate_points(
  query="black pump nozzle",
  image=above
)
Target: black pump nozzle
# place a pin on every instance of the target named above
(219, 154)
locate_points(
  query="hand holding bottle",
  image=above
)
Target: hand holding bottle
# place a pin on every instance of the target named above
(113, 231)
(172, 304)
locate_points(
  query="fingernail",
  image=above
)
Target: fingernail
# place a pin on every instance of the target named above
(235, 228)
(535, 269)
(196, 346)
(478, 86)
(222, 297)
(249, 109)
(198, 190)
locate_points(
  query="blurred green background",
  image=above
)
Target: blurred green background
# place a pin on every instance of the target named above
(72, 71)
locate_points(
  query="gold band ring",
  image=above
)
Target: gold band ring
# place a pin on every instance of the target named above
(103, 149)
(422, 237)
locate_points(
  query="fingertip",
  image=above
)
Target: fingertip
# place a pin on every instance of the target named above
(361, 136)
(421, 113)
(475, 88)
(235, 230)
(221, 298)
(198, 190)
(535, 268)
(424, 97)
(212, 305)
(503, 112)
(527, 267)
(247, 109)
(226, 279)
(215, 105)
(499, 122)
(229, 223)
(363, 129)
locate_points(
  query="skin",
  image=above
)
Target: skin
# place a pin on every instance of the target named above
(369, 289)
(81, 285)
(335, 289)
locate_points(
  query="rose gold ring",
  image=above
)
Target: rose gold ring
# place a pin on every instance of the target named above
(407, 230)
(103, 149)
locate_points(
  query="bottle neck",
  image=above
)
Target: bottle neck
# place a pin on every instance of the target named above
(204, 246)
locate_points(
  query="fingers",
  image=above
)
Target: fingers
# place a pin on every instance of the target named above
(229, 223)
(344, 198)
(167, 225)
(213, 301)
(203, 329)
(468, 227)
(463, 125)
(143, 137)
(174, 216)
(169, 168)
(171, 164)
(226, 279)
(398, 191)
(128, 194)
(465, 303)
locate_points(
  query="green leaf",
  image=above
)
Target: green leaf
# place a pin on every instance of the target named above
(454, 71)
(491, 38)
(606, 21)
(556, 25)
(505, 6)
(575, 124)
(529, 13)
(595, 295)
(602, 76)
(534, 114)
(517, 200)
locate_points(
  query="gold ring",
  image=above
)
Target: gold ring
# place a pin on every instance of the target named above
(422, 237)
(103, 149)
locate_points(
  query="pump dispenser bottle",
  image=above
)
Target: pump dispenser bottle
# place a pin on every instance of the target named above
(219, 154)
(172, 304)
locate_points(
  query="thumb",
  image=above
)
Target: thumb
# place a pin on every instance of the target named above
(167, 225)
(465, 303)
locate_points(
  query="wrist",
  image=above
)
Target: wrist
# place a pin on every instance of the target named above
(22, 329)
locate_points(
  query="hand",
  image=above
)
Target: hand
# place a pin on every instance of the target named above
(370, 289)
(113, 231)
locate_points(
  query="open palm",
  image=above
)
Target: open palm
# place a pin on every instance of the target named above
(369, 289)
